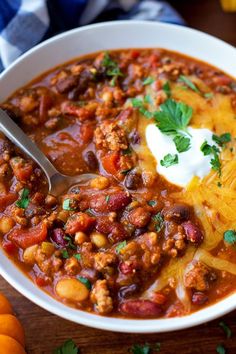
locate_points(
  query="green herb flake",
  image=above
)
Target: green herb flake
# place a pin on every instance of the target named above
(182, 143)
(85, 281)
(219, 184)
(222, 139)
(159, 221)
(140, 349)
(66, 205)
(77, 256)
(205, 148)
(226, 329)
(147, 99)
(189, 83)
(112, 68)
(65, 254)
(127, 151)
(120, 246)
(138, 103)
(148, 81)
(124, 172)
(157, 347)
(70, 242)
(107, 198)
(208, 95)
(152, 203)
(220, 349)
(166, 88)
(173, 117)
(169, 160)
(24, 200)
(212, 150)
(69, 347)
(230, 237)
(90, 211)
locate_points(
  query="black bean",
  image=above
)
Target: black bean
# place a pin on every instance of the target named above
(128, 291)
(132, 180)
(140, 231)
(135, 137)
(91, 160)
(177, 213)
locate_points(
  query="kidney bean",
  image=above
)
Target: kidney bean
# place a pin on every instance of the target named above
(91, 160)
(177, 213)
(199, 298)
(115, 202)
(133, 180)
(159, 298)
(115, 230)
(127, 291)
(44, 106)
(58, 237)
(139, 217)
(140, 308)
(193, 232)
(65, 84)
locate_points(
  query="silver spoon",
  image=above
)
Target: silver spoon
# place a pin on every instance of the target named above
(57, 182)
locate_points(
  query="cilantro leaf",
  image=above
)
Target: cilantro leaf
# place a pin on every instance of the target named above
(138, 103)
(230, 237)
(152, 203)
(222, 139)
(148, 81)
(112, 68)
(166, 89)
(141, 349)
(173, 117)
(189, 83)
(65, 254)
(77, 256)
(205, 148)
(107, 198)
(70, 243)
(147, 99)
(120, 246)
(208, 95)
(182, 143)
(85, 281)
(69, 347)
(220, 349)
(66, 205)
(215, 161)
(226, 329)
(169, 160)
(159, 221)
(24, 200)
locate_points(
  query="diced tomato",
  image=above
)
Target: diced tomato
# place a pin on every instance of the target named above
(79, 222)
(86, 132)
(9, 246)
(21, 168)
(222, 80)
(110, 163)
(134, 54)
(40, 281)
(26, 238)
(6, 200)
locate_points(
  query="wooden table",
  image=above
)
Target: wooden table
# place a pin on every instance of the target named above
(45, 331)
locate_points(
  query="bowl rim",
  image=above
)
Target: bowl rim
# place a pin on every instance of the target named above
(22, 283)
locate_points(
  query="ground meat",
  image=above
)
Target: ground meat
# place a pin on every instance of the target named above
(199, 277)
(103, 260)
(48, 265)
(101, 297)
(109, 135)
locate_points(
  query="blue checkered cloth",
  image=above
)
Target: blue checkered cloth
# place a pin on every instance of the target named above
(24, 23)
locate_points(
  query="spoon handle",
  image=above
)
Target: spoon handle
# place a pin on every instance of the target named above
(19, 138)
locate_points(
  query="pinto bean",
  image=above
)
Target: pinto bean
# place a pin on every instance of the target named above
(72, 289)
(91, 160)
(127, 291)
(177, 213)
(139, 217)
(193, 232)
(199, 298)
(140, 308)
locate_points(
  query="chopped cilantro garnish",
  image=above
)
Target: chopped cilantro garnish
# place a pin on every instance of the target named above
(148, 81)
(189, 83)
(77, 256)
(107, 198)
(126, 151)
(220, 349)
(159, 221)
(24, 200)
(208, 95)
(219, 184)
(147, 99)
(169, 160)
(222, 139)
(182, 143)
(152, 203)
(65, 254)
(67, 204)
(226, 329)
(120, 246)
(212, 150)
(230, 237)
(90, 211)
(173, 117)
(112, 68)
(140, 349)
(138, 103)
(69, 347)
(70, 242)
(166, 89)
(85, 281)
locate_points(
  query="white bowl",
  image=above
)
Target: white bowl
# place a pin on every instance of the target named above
(88, 39)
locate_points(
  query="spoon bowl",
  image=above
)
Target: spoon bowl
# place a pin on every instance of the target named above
(57, 182)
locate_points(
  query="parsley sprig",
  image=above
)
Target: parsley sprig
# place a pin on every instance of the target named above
(208, 149)
(230, 237)
(169, 160)
(24, 199)
(69, 347)
(112, 68)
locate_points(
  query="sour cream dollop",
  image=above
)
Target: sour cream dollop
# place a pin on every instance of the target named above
(191, 163)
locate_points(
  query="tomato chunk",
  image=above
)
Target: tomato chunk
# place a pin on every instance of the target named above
(79, 222)
(26, 238)
(6, 200)
(110, 163)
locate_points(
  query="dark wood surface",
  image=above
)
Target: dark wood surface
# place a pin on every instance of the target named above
(45, 331)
